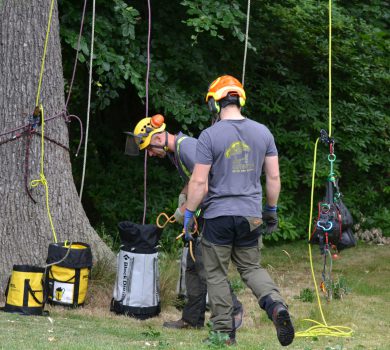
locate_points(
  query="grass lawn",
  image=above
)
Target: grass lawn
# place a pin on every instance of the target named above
(366, 309)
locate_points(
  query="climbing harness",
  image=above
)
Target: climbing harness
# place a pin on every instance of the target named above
(325, 224)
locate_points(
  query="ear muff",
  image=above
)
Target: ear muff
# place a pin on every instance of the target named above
(241, 101)
(213, 105)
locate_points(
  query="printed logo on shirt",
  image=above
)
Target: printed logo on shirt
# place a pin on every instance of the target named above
(238, 152)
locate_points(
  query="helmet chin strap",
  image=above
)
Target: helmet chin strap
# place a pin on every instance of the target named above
(215, 118)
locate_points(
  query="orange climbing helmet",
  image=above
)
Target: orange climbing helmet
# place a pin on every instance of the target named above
(225, 85)
(146, 128)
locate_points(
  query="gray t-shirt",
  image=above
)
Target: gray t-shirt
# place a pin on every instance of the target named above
(236, 150)
(185, 153)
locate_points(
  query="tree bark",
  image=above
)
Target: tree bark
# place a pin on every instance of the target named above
(25, 232)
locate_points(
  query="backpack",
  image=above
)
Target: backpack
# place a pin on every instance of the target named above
(25, 292)
(137, 286)
(68, 272)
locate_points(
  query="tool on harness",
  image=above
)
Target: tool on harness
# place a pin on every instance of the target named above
(141, 137)
(334, 222)
(137, 286)
(68, 272)
(25, 292)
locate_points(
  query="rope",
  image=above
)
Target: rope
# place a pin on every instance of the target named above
(42, 180)
(77, 55)
(246, 42)
(89, 101)
(320, 329)
(330, 68)
(147, 107)
(44, 54)
(168, 220)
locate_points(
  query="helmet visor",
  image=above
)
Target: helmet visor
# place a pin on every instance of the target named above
(132, 144)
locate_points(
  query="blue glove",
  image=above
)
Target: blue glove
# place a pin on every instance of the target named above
(189, 221)
(270, 218)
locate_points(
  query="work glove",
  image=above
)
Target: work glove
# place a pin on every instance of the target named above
(182, 200)
(189, 221)
(270, 218)
(179, 216)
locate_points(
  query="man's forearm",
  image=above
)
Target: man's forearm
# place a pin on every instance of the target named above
(272, 191)
(196, 192)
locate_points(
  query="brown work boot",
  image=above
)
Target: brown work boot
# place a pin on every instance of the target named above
(179, 324)
(283, 324)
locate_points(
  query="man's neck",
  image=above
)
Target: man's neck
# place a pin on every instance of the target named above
(231, 112)
(171, 142)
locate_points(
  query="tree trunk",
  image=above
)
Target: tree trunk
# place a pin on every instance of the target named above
(25, 232)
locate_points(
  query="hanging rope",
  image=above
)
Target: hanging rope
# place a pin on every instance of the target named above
(246, 42)
(77, 55)
(42, 179)
(147, 107)
(39, 112)
(321, 329)
(89, 101)
(44, 54)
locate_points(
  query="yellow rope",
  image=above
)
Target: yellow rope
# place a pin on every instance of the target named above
(44, 53)
(38, 107)
(42, 180)
(320, 329)
(330, 68)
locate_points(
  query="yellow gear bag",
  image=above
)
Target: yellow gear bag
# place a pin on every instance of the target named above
(25, 292)
(68, 274)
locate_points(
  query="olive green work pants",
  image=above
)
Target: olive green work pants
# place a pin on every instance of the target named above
(216, 260)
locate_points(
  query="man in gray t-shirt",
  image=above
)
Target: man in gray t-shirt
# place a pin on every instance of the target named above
(230, 156)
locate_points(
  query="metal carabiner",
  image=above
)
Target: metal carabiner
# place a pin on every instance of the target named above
(320, 225)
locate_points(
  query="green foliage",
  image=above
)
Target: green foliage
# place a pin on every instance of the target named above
(306, 295)
(287, 88)
(151, 333)
(216, 340)
(340, 287)
(237, 285)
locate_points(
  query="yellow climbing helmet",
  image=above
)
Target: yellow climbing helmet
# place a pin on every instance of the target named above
(146, 128)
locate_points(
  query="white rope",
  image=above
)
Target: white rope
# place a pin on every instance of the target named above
(89, 100)
(246, 41)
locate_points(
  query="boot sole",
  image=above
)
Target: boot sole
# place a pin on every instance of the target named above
(284, 328)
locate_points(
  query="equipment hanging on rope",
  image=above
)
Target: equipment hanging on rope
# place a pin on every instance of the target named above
(334, 222)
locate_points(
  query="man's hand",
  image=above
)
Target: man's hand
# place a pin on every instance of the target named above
(189, 221)
(270, 218)
(182, 199)
(179, 216)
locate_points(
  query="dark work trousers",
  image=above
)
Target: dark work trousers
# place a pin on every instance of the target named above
(234, 238)
(195, 278)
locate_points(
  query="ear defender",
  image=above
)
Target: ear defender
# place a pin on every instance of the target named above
(241, 101)
(214, 106)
